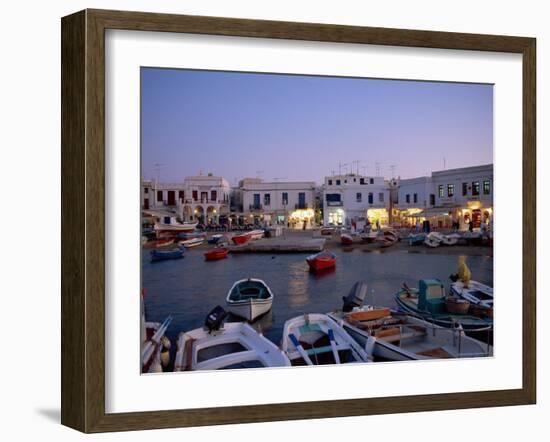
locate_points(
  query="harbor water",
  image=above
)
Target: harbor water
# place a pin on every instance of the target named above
(188, 288)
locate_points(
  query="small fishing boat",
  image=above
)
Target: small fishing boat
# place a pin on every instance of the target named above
(474, 292)
(159, 243)
(327, 230)
(216, 254)
(369, 236)
(191, 235)
(170, 224)
(214, 239)
(161, 255)
(193, 242)
(219, 346)
(249, 298)
(256, 234)
(387, 239)
(316, 339)
(451, 239)
(430, 303)
(346, 239)
(397, 336)
(155, 346)
(433, 239)
(416, 239)
(241, 238)
(321, 261)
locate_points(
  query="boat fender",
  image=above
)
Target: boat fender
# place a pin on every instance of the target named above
(369, 346)
(165, 357)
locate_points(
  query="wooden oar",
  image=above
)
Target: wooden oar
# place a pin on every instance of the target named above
(333, 346)
(300, 349)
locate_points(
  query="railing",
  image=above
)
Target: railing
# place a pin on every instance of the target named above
(335, 203)
(301, 206)
(255, 207)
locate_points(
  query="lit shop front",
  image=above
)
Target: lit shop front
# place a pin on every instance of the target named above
(380, 215)
(301, 217)
(409, 217)
(336, 216)
(476, 214)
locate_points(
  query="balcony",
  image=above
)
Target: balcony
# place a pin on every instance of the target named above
(255, 207)
(301, 206)
(335, 203)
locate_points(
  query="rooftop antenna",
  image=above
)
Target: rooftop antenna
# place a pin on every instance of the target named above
(333, 171)
(392, 170)
(340, 165)
(158, 167)
(377, 167)
(364, 169)
(444, 163)
(277, 178)
(259, 173)
(356, 162)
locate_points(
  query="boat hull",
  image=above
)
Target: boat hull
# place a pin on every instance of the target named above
(240, 239)
(321, 261)
(346, 240)
(216, 254)
(250, 310)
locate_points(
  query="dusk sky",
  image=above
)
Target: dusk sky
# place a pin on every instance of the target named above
(300, 128)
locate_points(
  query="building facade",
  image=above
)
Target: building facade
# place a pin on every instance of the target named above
(285, 203)
(351, 199)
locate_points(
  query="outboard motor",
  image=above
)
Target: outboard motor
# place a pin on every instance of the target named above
(214, 319)
(356, 296)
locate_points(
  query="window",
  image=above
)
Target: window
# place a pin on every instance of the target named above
(267, 199)
(285, 197)
(146, 190)
(381, 197)
(371, 180)
(362, 181)
(464, 189)
(181, 195)
(354, 180)
(256, 204)
(486, 187)
(345, 181)
(358, 197)
(415, 198)
(337, 182)
(475, 188)
(371, 198)
(159, 196)
(333, 197)
(440, 190)
(450, 190)
(408, 198)
(330, 182)
(302, 200)
(432, 199)
(195, 195)
(213, 195)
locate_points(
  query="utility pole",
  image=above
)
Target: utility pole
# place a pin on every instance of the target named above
(340, 165)
(356, 162)
(158, 167)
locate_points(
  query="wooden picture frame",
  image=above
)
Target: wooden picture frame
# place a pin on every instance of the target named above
(83, 215)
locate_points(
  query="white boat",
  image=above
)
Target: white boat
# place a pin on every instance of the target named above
(256, 234)
(170, 224)
(369, 236)
(249, 298)
(316, 339)
(433, 239)
(193, 242)
(397, 336)
(401, 337)
(451, 239)
(229, 346)
(475, 292)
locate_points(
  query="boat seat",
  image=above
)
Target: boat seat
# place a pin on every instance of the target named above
(308, 328)
(319, 350)
(396, 336)
(437, 352)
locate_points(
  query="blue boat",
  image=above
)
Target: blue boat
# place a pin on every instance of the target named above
(161, 255)
(416, 239)
(430, 303)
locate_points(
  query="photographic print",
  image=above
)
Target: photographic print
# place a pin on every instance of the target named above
(302, 220)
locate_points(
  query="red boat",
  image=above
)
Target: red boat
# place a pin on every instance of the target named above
(321, 261)
(215, 254)
(346, 239)
(243, 238)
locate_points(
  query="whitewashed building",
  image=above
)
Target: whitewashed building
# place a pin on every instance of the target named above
(350, 199)
(198, 198)
(447, 196)
(290, 203)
